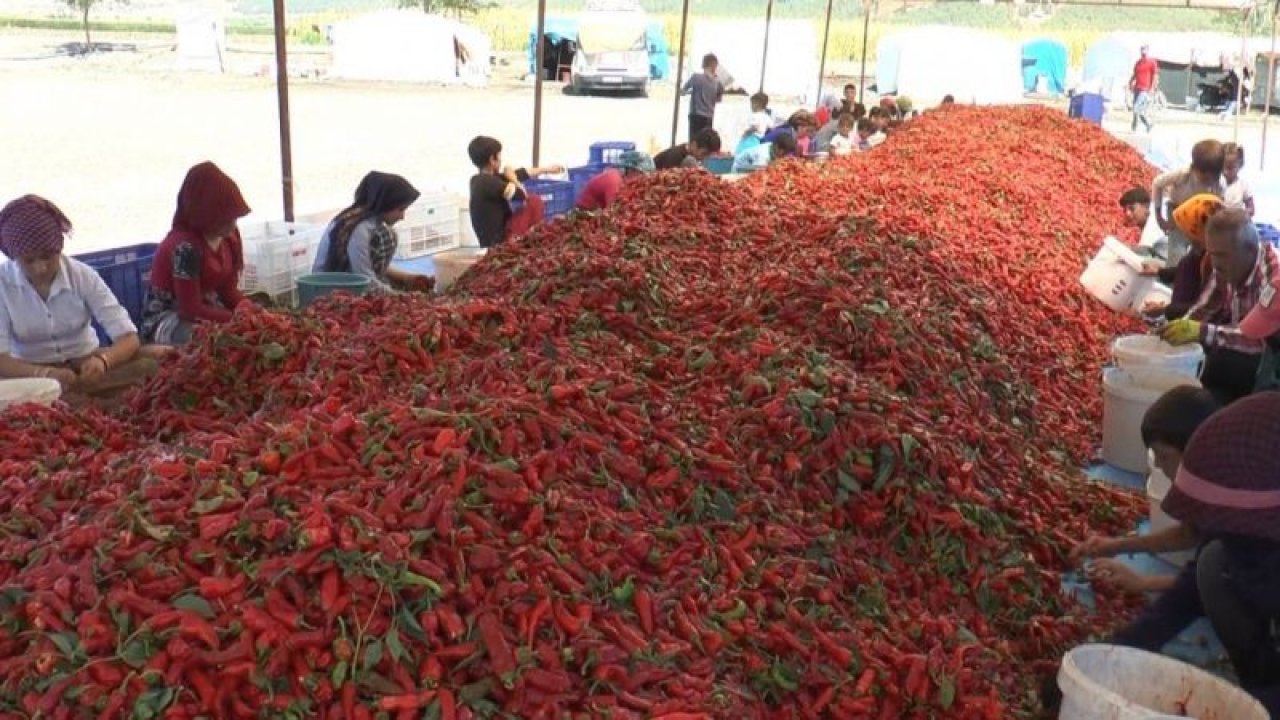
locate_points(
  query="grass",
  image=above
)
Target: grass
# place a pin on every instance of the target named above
(508, 22)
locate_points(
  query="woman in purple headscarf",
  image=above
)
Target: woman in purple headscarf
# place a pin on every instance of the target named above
(48, 303)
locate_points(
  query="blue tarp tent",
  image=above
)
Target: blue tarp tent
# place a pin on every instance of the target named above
(1046, 58)
(566, 28)
(1109, 63)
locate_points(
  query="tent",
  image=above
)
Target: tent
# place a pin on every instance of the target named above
(928, 63)
(559, 30)
(1048, 59)
(410, 46)
(792, 67)
(1108, 64)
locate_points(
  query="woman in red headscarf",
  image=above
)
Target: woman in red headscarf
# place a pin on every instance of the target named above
(196, 272)
(48, 303)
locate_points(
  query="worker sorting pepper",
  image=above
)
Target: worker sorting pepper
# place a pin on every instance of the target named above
(602, 190)
(47, 304)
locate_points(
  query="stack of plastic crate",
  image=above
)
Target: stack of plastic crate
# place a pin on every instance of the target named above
(429, 226)
(127, 271)
(276, 254)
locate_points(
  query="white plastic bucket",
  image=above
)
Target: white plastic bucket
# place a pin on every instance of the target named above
(41, 391)
(451, 265)
(1158, 485)
(1127, 394)
(466, 231)
(1149, 351)
(1114, 277)
(1109, 682)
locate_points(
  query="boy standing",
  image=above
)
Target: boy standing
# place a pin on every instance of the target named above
(704, 90)
(1175, 187)
(493, 188)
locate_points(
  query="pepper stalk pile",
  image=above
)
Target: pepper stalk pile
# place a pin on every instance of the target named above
(803, 446)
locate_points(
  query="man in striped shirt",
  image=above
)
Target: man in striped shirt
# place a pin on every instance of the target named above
(1244, 268)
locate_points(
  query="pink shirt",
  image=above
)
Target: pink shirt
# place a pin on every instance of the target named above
(601, 190)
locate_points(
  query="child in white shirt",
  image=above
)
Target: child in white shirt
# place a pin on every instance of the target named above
(1236, 192)
(844, 141)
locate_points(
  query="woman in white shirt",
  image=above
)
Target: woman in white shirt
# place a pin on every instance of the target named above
(48, 303)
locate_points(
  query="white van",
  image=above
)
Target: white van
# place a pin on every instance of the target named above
(613, 51)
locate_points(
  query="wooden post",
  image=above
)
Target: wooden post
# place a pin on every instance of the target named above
(822, 64)
(538, 59)
(866, 29)
(282, 99)
(764, 56)
(675, 110)
(1244, 49)
(1271, 84)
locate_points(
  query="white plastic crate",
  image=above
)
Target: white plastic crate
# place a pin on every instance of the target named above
(429, 226)
(276, 254)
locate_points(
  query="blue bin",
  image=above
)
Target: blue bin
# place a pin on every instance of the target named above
(127, 271)
(1087, 106)
(719, 164)
(580, 176)
(557, 196)
(1268, 234)
(607, 152)
(317, 285)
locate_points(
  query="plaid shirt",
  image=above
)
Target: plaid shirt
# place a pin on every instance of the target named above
(1221, 307)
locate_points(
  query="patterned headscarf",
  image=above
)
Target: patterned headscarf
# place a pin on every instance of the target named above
(209, 200)
(32, 225)
(1192, 216)
(1229, 480)
(377, 194)
(636, 160)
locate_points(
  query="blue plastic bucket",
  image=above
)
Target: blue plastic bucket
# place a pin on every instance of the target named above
(317, 285)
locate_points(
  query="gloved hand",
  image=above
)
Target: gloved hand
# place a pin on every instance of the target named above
(422, 283)
(1182, 331)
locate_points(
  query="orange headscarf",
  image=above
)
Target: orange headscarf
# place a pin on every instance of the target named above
(1192, 216)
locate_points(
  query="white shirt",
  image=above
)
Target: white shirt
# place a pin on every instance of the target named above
(58, 329)
(1236, 193)
(841, 145)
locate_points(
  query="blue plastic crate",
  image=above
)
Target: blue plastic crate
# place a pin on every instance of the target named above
(580, 176)
(719, 164)
(1087, 106)
(127, 271)
(1269, 234)
(607, 152)
(557, 196)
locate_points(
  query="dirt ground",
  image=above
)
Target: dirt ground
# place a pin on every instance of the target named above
(108, 137)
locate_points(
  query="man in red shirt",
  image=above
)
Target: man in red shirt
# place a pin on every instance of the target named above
(1143, 84)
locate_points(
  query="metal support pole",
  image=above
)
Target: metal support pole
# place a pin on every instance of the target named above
(866, 29)
(1244, 49)
(1271, 84)
(675, 110)
(822, 64)
(282, 97)
(764, 56)
(538, 59)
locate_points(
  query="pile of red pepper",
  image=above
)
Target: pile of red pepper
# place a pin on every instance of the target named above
(803, 446)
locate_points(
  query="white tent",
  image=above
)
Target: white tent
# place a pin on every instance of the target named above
(792, 69)
(202, 38)
(929, 63)
(410, 46)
